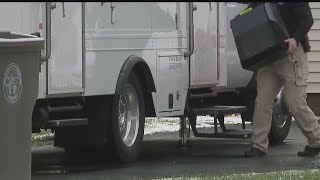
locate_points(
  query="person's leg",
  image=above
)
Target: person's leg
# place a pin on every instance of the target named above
(295, 92)
(305, 118)
(268, 86)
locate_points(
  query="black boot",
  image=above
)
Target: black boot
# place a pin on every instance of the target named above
(254, 152)
(309, 151)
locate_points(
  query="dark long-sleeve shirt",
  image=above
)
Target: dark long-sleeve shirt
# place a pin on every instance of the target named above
(298, 19)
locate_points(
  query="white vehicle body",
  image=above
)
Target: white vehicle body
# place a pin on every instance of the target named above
(88, 50)
(95, 44)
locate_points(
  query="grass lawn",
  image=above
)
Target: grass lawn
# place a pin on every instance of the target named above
(281, 175)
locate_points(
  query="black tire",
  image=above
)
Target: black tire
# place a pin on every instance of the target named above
(124, 153)
(281, 122)
(91, 140)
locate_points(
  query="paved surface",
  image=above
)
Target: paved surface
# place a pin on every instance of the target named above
(161, 158)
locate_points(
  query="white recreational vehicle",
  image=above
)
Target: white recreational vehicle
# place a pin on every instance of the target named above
(108, 65)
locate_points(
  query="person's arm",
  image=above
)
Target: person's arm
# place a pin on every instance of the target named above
(303, 13)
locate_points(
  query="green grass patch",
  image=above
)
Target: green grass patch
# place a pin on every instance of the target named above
(45, 137)
(281, 175)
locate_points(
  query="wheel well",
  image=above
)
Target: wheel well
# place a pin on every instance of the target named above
(141, 69)
(143, 72)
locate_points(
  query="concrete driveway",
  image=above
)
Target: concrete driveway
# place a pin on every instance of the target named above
(162, 159)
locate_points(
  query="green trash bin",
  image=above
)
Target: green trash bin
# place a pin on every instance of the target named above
(20, 61)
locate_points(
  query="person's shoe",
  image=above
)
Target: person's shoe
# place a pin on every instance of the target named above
(254, 152)
(309, 152)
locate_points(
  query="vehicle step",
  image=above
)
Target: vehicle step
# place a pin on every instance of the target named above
(236, 134)
(219, 110)
(65, 108)
(200, 96)
(68, 122)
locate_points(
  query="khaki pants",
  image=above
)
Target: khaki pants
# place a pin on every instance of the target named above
(292, 73)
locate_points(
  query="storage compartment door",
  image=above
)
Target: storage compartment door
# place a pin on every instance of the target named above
(204, 64)
(65, 65)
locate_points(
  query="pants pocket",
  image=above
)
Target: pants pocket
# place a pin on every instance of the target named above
(300, 75)
(300, 63)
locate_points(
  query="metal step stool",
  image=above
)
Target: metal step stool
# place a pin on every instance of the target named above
(218, 113)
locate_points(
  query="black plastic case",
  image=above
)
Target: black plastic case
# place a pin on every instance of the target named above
(259, 36)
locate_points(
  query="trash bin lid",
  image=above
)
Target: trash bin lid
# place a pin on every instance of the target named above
(12, 40)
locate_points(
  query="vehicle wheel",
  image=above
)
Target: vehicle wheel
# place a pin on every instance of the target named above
(281, 122)
(128, 120)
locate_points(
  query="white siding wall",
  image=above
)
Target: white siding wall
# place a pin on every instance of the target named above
(314, 55)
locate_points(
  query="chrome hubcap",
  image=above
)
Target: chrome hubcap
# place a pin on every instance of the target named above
(128, 115)
(281, 120)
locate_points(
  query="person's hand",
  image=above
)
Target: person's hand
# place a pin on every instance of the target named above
(292, 45)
